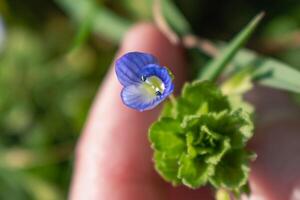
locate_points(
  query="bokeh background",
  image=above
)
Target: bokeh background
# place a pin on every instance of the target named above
(55, 53)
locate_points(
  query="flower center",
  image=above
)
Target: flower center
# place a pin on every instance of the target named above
(153, 85)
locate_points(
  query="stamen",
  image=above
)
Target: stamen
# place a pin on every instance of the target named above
(153, 85)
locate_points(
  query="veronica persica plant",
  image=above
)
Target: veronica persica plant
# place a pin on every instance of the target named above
(200, 139)
(146, 83)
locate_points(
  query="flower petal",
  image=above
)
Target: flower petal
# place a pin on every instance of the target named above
(136, 97)
(139, 97)
(128, 67)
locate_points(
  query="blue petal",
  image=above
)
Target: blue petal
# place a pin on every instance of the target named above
(136, 96)
(128, 67)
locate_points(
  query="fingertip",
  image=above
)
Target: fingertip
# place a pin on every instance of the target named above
(136, 32)
(113, 148)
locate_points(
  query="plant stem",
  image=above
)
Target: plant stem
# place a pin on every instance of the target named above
(173, 100)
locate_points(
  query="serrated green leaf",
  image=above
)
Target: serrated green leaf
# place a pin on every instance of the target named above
(167, 166)
(190, 139)
(238, 126)
(193, 172)
(200, 98)
(232, 172)
(197, 139)
(217, 65)
(219, 152)
(165, 136)
(210, 133)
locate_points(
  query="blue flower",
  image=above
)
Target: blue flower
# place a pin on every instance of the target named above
(145, 82)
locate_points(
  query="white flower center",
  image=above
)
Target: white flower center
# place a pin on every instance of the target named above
(153, 85)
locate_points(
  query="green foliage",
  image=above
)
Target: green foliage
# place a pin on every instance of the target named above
(46, 91)
(269, 72)
(200, 97)
(240, 82)
(237, 85)
(217, 65)
(201, 139)
(45, 96)
(104, 22)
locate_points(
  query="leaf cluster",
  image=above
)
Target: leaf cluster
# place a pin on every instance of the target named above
(200, 138)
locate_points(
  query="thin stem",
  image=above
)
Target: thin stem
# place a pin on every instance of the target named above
(172, 99)
(162, 23)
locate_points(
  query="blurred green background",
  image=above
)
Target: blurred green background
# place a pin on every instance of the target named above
(54, 54)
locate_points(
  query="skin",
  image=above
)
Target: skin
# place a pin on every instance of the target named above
(114, 158)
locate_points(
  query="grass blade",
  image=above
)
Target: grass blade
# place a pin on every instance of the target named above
(269, 72)
(105, 22)
(217, 65)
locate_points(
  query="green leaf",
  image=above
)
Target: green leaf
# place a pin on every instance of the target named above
(237, 102)
(269, 72)
(190, 139)
(239, 83)
(199, 98)
(165, 136)
(217, 65)
(219, 152)
(232, 172)
(210, 133)
(190, 144)
(236, 124)
(167, 167)
(193, 172)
